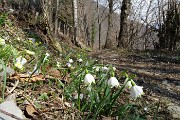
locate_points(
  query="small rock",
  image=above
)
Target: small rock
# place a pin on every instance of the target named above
(165, 82)
(178, 83)
(9, 71)
(12, 108)
(174, 110)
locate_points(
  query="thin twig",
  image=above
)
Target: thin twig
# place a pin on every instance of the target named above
(16, 84)
(11, 115)
(38, 110)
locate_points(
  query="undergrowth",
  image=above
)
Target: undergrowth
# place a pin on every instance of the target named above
(95, 90)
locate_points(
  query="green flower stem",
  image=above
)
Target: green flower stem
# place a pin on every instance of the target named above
(79, 100)
(86, 71)
(133, 83)
(116, 96)
(4, 84)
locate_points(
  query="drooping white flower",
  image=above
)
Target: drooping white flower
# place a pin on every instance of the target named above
(11, 10)
(136, 91)
(88, 79)
(80, 96)
(128, 83)
(105, 68)
(80, 60)
(46, 56)
(2, 41)
(30, 52)
(113, 82)
(114, 68)
(58, 64)
(97, 68)
(20, 62)
(68, 65)
(146, 108)
(60, 55)
(70, 61)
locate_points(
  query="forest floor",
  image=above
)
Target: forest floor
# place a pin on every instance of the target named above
(155, 72)
(41, 97)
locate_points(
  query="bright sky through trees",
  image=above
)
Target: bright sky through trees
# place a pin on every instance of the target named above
(140, 9)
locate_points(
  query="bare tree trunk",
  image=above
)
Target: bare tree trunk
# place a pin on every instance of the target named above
(123, 33)
(48, 19)
(98, 22)
(75, 16)
(108, 43)
(56, 18)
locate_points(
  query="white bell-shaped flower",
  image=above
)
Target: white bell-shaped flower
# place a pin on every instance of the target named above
(96, 68)
(2, 41)
(136, 91)
(45, 58)
(47, 54)
(68, 65)
(58, 64)
(114, 68)
(70, 61)
(113, 82)
(128, 83)
(105, 68)
(20, 62)
(80, 60)
(88, 79)
(80, 96)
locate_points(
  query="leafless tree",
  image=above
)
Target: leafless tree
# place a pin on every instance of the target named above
(125, 11)
(108, 43)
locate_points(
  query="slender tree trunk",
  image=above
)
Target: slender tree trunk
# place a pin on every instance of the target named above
(56, 18)
(75, 17)
(98, 21)
(108, 43)
(123, 33)
(45, 8)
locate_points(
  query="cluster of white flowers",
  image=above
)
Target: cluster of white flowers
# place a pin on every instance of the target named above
(20, 62)
(104, 68)
(135, 91)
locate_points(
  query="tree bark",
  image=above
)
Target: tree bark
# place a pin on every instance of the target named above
(108, 43)
(123, 33)
(56, 18)
(75, 20)
(50, 35)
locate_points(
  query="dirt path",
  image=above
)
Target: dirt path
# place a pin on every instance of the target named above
(158, 75)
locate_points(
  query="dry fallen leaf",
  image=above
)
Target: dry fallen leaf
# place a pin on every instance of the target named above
(25, 77)
(54, 73)
(30, 110)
